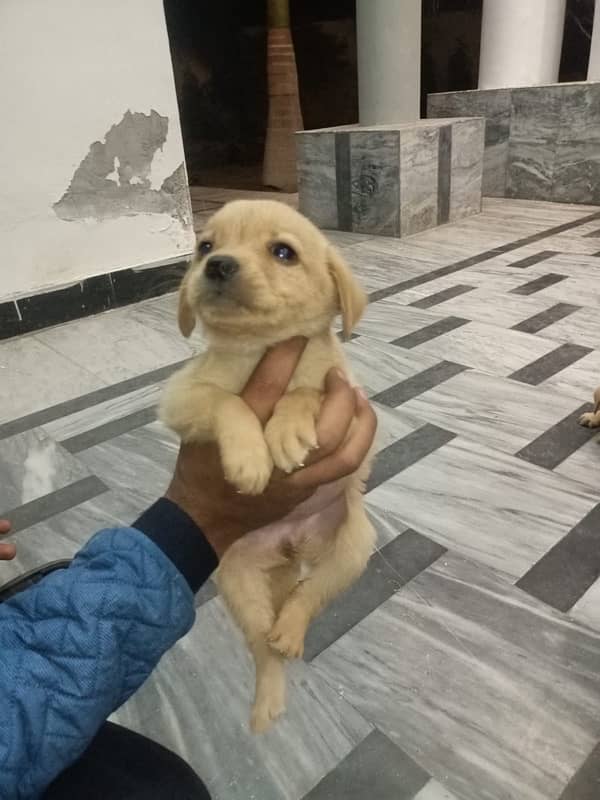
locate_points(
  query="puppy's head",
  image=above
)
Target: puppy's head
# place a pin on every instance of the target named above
(264, 272)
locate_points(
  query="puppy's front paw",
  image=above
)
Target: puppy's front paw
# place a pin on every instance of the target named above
(266, 710)
(247, 465)
(590, 420)
(291, 432)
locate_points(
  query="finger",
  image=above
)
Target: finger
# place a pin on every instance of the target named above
(7, 552)
(5, 526)
(347, 458)
(335, 416)
(270, 379)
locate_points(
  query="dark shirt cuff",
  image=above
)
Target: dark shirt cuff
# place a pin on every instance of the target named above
(180, 539)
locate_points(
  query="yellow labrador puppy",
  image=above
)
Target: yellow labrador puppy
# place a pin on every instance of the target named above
(591, 419)
(264, 274)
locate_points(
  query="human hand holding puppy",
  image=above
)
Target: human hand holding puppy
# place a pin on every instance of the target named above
(224, 514)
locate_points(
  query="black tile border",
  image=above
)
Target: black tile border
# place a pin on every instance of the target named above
(388, 570)
(109, 430)
(429, 332)
(405, 452)
(68, 407)
(545, 318)
(544, 367)
(442, 296)
(558, 442)
(592, 234)
(585, 784)
(56, 502)
(86, 297)
(529, 261)
(568, 569)
(536, 285)
(375, 768)
(343, 180)
(444, 174)
(487, 255)
(405, 390)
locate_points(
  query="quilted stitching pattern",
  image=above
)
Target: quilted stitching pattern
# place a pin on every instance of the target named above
(76, 646)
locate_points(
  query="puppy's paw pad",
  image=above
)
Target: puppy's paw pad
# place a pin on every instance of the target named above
(248, 472)
(265, 712)
(289, 642)
(589, 420)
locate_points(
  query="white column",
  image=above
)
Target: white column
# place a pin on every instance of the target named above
(594, 64)
(388, 37)
(521, 42)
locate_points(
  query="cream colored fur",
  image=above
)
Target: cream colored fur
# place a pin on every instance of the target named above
(267, 302)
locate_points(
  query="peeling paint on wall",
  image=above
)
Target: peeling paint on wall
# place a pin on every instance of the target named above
(114, 179)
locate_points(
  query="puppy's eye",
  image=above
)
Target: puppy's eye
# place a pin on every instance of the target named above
(283, 252)
(204, 247)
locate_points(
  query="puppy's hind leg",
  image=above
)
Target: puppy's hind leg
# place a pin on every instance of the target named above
(245, 581)
(333, 571)
(591, 419)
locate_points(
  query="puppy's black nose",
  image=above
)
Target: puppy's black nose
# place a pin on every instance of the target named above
(221, 268)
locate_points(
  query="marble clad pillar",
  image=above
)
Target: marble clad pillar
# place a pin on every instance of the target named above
(593, 73)
(521, 42)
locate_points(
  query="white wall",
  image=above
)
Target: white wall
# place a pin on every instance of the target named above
(70, 69)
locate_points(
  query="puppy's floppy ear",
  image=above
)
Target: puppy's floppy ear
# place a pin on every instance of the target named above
(352, 298)
(185, 313)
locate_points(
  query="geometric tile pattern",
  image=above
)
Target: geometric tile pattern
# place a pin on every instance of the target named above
(465, 663)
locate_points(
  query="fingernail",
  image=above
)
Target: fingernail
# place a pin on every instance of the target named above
(361, 393)
(340, 374)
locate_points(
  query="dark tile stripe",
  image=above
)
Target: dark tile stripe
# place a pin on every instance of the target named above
(343, 174)
(87, 400)
(596, 255)
(558, 442)
(49, 505)
(534, 259)
(568, 570)
(543, 368)
(450, 269)
(545, 318)
(102, 433)
(389, 570)
(376, 768)
(444, 173)
(539, 283)
(441, 297)
(417, 384)
(592, 234)
(430, 332)
(407, 451)
(585, 784)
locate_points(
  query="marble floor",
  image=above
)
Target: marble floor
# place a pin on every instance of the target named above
(465, 664)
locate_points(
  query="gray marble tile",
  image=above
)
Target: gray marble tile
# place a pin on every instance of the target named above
(34, 376)
(390, 568)
(541, 321)
(393, 425)
(537, 284)
(558, 442)
(487, 505)
(387, 320)
(440, 297)
(114, 346)
(197, 704)
(435, 791)
(587, 607)
(494, 106)
(579, 113)
(487, 348)
(549, 368)
(570, 568)
(407, 389)
(32, 465)
(581, 327)
(377, 768)
(375, 177)
(377, 365)
(109, 430)
(141, 460)
(468, 675)
(418, 179)
(584, 784)
(430, 332)
(531, 169)
(576, 176)
(317, 186)
(580, 378)
(467, 168)
(490, 410)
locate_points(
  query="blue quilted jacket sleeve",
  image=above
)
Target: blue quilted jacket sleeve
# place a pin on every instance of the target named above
(76, 645)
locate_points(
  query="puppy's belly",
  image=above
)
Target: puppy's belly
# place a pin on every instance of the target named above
(317, 519)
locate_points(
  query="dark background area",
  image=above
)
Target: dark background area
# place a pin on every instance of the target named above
(219, 59)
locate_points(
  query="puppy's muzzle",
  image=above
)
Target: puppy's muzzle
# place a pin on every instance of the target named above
(220, 269)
